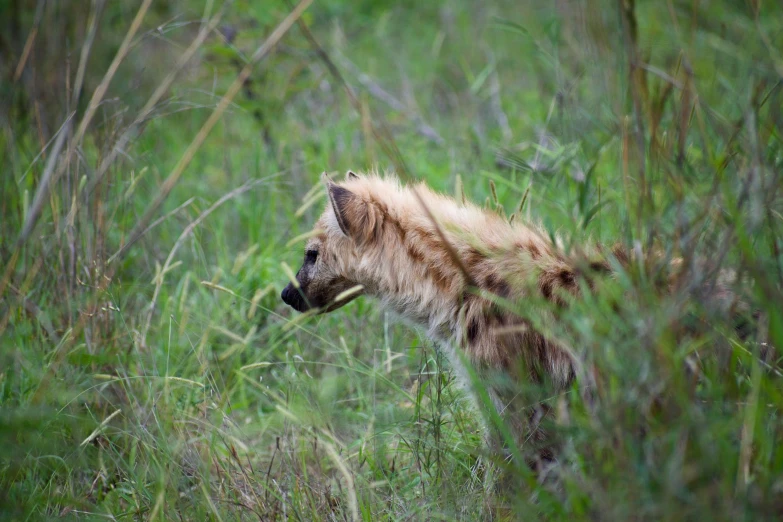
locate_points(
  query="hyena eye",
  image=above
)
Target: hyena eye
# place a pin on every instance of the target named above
(311, 256)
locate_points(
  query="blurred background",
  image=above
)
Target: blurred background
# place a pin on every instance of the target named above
(160, 158)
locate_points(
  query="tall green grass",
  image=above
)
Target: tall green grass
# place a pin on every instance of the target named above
(158, 376)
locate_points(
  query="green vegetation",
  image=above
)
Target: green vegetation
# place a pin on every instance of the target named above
(148, 369)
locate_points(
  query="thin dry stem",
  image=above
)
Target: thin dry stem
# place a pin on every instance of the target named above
(51, 175)
(195, 145)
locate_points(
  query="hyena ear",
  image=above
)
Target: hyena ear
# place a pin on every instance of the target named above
(351, 175)
(356, 218)
(341, 201)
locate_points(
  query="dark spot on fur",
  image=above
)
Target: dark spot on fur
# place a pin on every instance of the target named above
(600, 267)
(379, 226)
(412, 250)
(546, 287)
(497, 286)
(440, 277)
(566, 277)
(491, 282)
(415, 254)
(430, 243)
(400, 231)
(535, 253)
(473, 258)
(473, 330)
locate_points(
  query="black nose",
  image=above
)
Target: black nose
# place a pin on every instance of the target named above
(293, 298)
(286, 295)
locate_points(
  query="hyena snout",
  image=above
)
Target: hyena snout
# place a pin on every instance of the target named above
(294, 297)
(322, 297)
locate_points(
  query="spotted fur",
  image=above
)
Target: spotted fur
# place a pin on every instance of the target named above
(454, 269)
(464, 274)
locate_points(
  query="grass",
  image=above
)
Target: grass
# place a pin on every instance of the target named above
(149, 370)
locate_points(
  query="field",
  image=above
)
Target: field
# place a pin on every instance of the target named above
(160, 160)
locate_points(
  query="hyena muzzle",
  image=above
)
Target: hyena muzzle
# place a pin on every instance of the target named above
(316, 288)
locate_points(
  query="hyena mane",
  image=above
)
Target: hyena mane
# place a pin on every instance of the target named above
(458, 271)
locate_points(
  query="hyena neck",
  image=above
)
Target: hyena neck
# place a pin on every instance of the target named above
(438, 321)
(413, 299)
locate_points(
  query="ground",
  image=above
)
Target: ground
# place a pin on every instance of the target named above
(149, 369)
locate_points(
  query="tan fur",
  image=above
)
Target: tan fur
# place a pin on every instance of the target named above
(377, 233)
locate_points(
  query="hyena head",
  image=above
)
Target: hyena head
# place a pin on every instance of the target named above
(330, 276)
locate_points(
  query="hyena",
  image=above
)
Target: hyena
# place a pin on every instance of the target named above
(453, 269)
